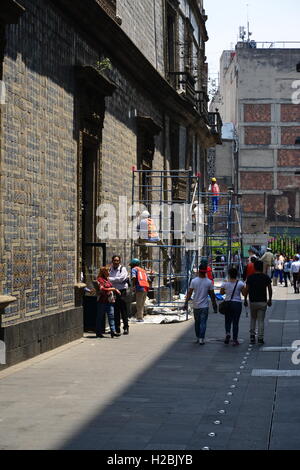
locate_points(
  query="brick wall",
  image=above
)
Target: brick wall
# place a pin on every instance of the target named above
(289, 158)
(143, 23)
(257, 135)
(289, 135)
(290, 112)
(288, 181)
(254, 180)
(257, 112)
(253, 203)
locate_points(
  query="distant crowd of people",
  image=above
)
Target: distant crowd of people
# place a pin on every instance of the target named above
(256, 285)
(278, 267)
(114, 283)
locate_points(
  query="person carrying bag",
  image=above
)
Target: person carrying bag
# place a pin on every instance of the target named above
(231, 307)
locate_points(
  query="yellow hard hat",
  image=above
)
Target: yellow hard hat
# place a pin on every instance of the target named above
(214, 180)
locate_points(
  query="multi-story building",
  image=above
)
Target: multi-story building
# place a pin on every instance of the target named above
(91, 89)
(258, 95)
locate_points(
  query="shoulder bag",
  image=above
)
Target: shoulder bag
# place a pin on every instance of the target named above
(224, 307)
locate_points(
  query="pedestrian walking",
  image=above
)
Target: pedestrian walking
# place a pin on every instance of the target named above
(118, 276)
(140, 286)
(256, 287)
(287, 271)
(295, 270)
(202, 288)
(249, 268)
(278, 271)
(105, 304)
(268, 260)
(209, 273)
(232, 289)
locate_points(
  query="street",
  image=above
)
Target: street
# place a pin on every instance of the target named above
(158, 389)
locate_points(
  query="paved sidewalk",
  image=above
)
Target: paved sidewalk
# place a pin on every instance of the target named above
(158, 389)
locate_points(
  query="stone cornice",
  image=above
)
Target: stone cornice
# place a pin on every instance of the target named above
(5, 300)
(95, 79)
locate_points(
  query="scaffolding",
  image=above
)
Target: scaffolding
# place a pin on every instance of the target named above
(187, 229)
(223, 235)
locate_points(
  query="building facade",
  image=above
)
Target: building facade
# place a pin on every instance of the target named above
(258, 95)
(92, 89)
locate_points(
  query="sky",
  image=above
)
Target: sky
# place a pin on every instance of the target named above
(270, 20)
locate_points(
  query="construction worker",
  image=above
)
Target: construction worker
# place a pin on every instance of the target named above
(148, 233)
(140, 286)
(214, 188)
(147, 228)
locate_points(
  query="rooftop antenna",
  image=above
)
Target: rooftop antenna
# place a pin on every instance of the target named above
(248, 24)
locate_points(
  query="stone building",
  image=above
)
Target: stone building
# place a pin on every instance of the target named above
(92, 89)
(258, 95)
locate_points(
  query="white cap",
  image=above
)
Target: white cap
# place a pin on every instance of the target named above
(145, 214)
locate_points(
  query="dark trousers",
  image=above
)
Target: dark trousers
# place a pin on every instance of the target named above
(121, 311)
(287, 276)
(295, 281)
(233, 319)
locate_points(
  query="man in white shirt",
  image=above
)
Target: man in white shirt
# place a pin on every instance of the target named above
(202, 288)
(295, 270)
(118, 276)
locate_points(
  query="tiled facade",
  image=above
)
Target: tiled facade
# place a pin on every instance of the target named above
(51, 124)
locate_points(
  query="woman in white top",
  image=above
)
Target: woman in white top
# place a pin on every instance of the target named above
(235, 287)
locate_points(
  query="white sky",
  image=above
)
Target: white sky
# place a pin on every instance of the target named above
(270, 20)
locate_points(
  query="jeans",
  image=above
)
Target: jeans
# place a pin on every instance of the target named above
(233, 319)
(121, 311)
(103, 309)
(200, 315)
(215, 202)
(279, 272)
(258, 312)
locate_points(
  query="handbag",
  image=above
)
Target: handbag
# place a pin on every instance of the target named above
(224, 307)
(111, 298)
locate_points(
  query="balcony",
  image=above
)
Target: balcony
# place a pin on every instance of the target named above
(215, 122)
(185, 84)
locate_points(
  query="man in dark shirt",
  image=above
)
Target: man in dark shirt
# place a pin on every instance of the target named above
(257, 286)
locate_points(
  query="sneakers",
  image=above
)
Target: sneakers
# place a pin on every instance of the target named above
(235, 343)
(227, 339)
(126, 332)
(260, 341)
(252, 339)
(201, 341)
